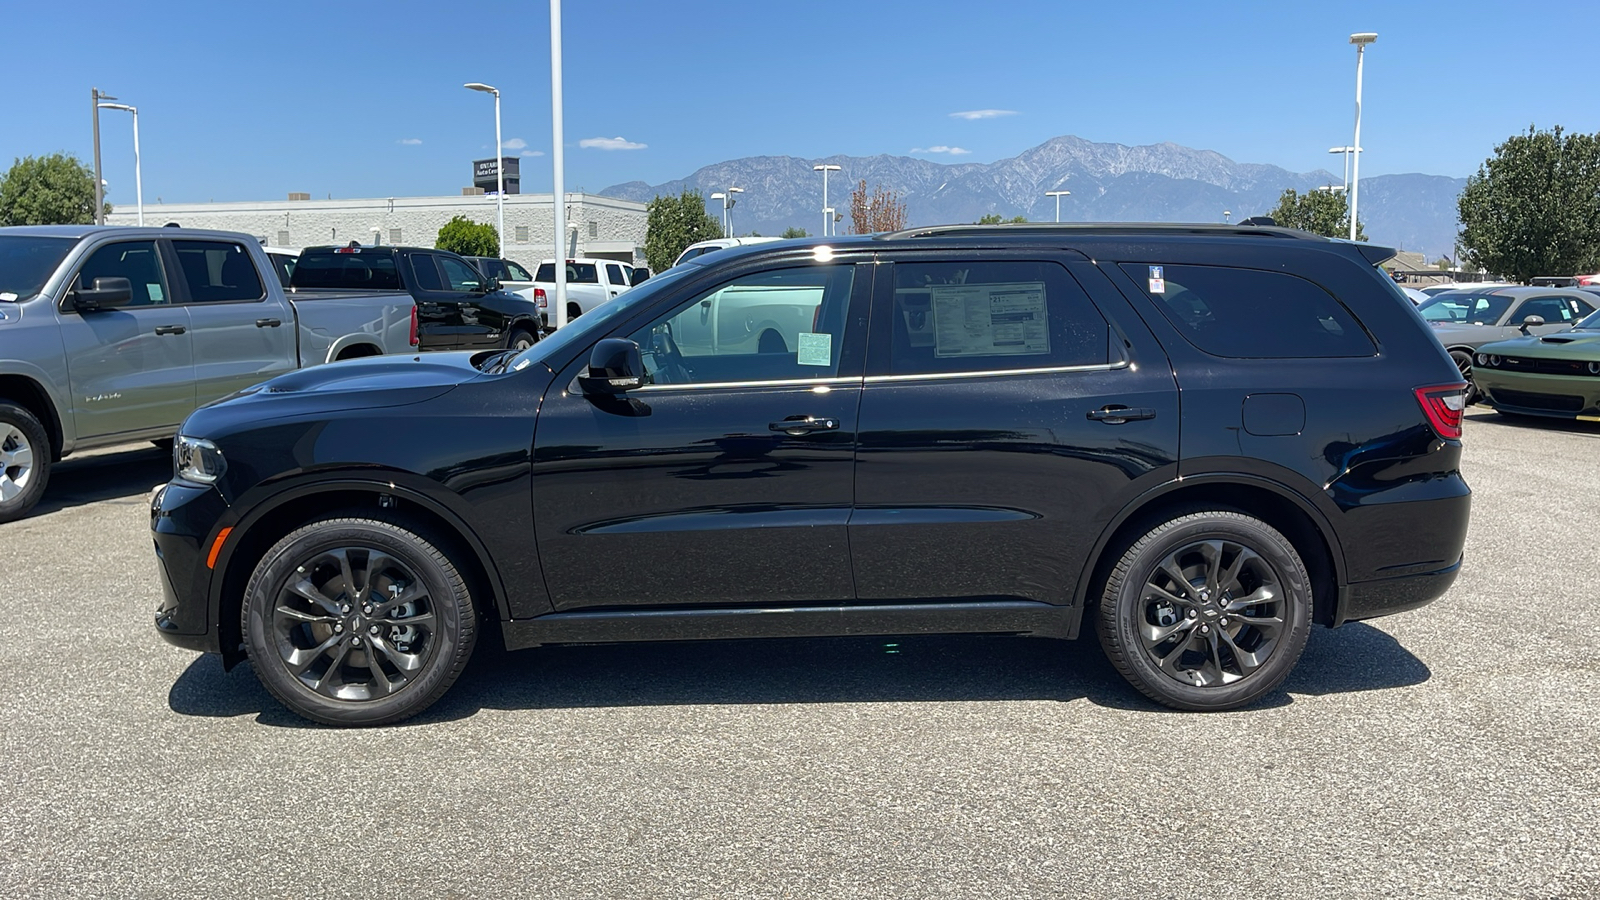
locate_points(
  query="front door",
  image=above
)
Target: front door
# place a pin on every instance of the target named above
(481, 326)
(726, 480)
(131, 368)
(991, 454)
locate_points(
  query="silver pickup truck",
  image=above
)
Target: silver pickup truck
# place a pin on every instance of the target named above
(110, 335)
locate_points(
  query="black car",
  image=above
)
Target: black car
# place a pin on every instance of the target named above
(458, 306)
(1200, 440)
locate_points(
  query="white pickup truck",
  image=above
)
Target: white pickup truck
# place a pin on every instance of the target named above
(590, 282)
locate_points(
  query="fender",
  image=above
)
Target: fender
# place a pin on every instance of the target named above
(59, 427)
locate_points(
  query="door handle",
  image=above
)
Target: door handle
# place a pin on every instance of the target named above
(268, 323)
(799, 425)
(170, 329)
(1116, 415)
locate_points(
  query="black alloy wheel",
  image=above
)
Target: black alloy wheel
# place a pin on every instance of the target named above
(354, 621)
(1208, 611)
(1463, 361)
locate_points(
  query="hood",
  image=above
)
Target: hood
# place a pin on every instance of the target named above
(1577, 345)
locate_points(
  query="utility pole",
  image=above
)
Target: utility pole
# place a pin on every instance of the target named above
(99, 182)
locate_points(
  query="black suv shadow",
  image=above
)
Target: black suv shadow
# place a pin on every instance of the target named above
(1354, 658)
(77, 481)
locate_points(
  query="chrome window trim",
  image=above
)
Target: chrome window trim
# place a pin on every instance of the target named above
(993, 373)
(788, 382)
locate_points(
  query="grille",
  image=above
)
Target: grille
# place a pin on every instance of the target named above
(1526, 400)
(1545, 366)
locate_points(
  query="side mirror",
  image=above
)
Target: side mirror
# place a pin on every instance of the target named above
(615, 367)
(491, 284)
(1531, 322)
(107, 293)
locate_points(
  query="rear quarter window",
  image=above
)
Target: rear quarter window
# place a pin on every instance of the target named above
(1251, 313)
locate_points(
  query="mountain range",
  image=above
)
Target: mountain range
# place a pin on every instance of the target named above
(1109, 183)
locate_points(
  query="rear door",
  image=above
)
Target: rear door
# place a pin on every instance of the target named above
(438, 312)
(242, 334)
(1013, 404)
(482, 325)
(617, 280)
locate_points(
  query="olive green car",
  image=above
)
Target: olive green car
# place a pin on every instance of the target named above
(1555, 375)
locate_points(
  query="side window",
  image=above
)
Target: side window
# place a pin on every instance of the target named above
(460, 276)
(425, 272)
(1252, 313)
(215, 271)
(493, 268)
(137, 261)
(1554, 311)
(517, 272)
(614, 274)
(950, 318)
(776, 325)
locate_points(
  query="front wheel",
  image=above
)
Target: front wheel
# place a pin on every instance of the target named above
(1208, 611)
(1463, 361)
(24, 461)
(520, 339)
(354, 621)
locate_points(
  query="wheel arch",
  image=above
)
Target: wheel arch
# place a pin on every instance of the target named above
(31, 395)
(264, 524)
(353, 348)
(1285, 509)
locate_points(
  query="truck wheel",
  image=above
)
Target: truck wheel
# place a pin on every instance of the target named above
(24, 461)
(520, 339)
(353, 621)
(1208, 611)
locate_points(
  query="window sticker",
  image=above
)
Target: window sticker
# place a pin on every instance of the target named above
(816, 349)
(156, 296)
(1158, 283)
(990, 319)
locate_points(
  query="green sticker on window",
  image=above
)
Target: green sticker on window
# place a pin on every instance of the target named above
(815, 349)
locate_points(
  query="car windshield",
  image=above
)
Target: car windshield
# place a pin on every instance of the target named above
(1465, 308)
(1592, 323)
(26, 263)
(599, 320)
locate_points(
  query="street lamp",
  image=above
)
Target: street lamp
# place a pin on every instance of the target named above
(724, 198)
(1227, 217)
(727, 206)
(499, 167)
(1346, 151)
(138, 178)
(827, 211)
(1058, 195)
(1361, 40)
(95, 96)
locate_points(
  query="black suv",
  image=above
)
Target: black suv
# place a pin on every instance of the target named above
(1202, 440)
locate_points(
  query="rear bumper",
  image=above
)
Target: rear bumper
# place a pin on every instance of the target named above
(1370, 599)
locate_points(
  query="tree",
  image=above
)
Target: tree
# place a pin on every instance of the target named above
(468, 238)
(47, 190)
(793, 232)
(672, 224)
(1534, 207)
(1319, 212)
(880, 211)
(994, 219)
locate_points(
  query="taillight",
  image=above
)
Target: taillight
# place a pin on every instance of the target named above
(1443, 404)
(540, 298)
(414, 341)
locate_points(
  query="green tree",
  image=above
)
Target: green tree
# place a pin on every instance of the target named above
(1534, 207)
(1319, 212)
(793, 232)
(672, 224)
(468, 238)
(47, 190)
(994, 219)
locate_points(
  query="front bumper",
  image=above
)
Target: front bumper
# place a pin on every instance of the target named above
(184, 521)
(1538, 394)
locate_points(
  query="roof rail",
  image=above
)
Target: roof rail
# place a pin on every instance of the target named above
(1107, 228)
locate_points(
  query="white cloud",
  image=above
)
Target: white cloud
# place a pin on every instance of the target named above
(615, 143)
(409, 142)
(940, 148)
(533, 153)
(514, 144)
(973, 114)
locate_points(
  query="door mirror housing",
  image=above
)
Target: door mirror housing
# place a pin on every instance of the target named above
(1531, 322)
(107, 293)
(490, 284)
(615, 367)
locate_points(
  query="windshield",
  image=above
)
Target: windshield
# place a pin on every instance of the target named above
(599, 320)
(26, 263)
(1592, 323)
(1465, 308)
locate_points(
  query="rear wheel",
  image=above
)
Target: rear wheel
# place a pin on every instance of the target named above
(357, 622)
(1208, 611)
(24, 461)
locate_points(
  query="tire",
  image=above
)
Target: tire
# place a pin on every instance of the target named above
(1463, 361)
(520, 339)
(24, 461)
(310, 632)
(1150, 623)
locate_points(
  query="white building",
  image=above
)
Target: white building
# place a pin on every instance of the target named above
(596, 226)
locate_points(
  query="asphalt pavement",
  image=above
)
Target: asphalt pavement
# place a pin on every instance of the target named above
(1446, 752)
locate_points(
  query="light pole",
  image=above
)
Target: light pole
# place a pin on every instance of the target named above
(724, 198)
(827, 212)
(138, 178)
(558, 165)
(1361, 40)
(95, 96)
(1058, 195)
(1346, 151)
(727, 208)
(1227, 217)
(499, 167)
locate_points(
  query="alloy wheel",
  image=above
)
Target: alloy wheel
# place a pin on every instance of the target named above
(16, 461)
(1211, 613)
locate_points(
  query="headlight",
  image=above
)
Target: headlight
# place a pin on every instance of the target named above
(1594, 368)
(197, 460)
(1483, 360)
(1494, 360)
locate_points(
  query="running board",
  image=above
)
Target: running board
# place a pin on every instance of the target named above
(994, 617)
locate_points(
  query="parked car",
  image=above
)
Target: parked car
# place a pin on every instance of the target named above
(458, 307)
(110, 335)
(1184, 436)
(701, 248)
(1554, 375)
(1435, 289)
(1416, 297)
(590, 282)
(1463, 321)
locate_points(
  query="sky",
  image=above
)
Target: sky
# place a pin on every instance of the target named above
(245, 101)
